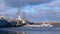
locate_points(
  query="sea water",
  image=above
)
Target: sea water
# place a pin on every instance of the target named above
(29, 30)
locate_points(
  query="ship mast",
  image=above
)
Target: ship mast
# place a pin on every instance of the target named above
(19, 17)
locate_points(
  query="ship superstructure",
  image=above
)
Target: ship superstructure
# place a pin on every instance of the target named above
(20, 19)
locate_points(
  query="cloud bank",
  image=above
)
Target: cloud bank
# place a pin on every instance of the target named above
(19, 3)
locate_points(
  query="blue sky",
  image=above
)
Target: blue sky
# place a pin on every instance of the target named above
(34, 10)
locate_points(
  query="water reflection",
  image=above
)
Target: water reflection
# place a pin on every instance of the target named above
(21, 32)
(30, 32)
(8, 32)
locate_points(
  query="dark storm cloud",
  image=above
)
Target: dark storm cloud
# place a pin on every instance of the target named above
(17, 3)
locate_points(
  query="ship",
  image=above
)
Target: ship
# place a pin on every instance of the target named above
(19, 21)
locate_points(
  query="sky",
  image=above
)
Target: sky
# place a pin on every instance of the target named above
(34, 10)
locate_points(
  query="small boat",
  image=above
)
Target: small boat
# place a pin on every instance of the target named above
(32, 25)
(46, 25)
(41, 25)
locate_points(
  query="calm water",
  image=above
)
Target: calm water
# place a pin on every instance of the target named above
(23, 30)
